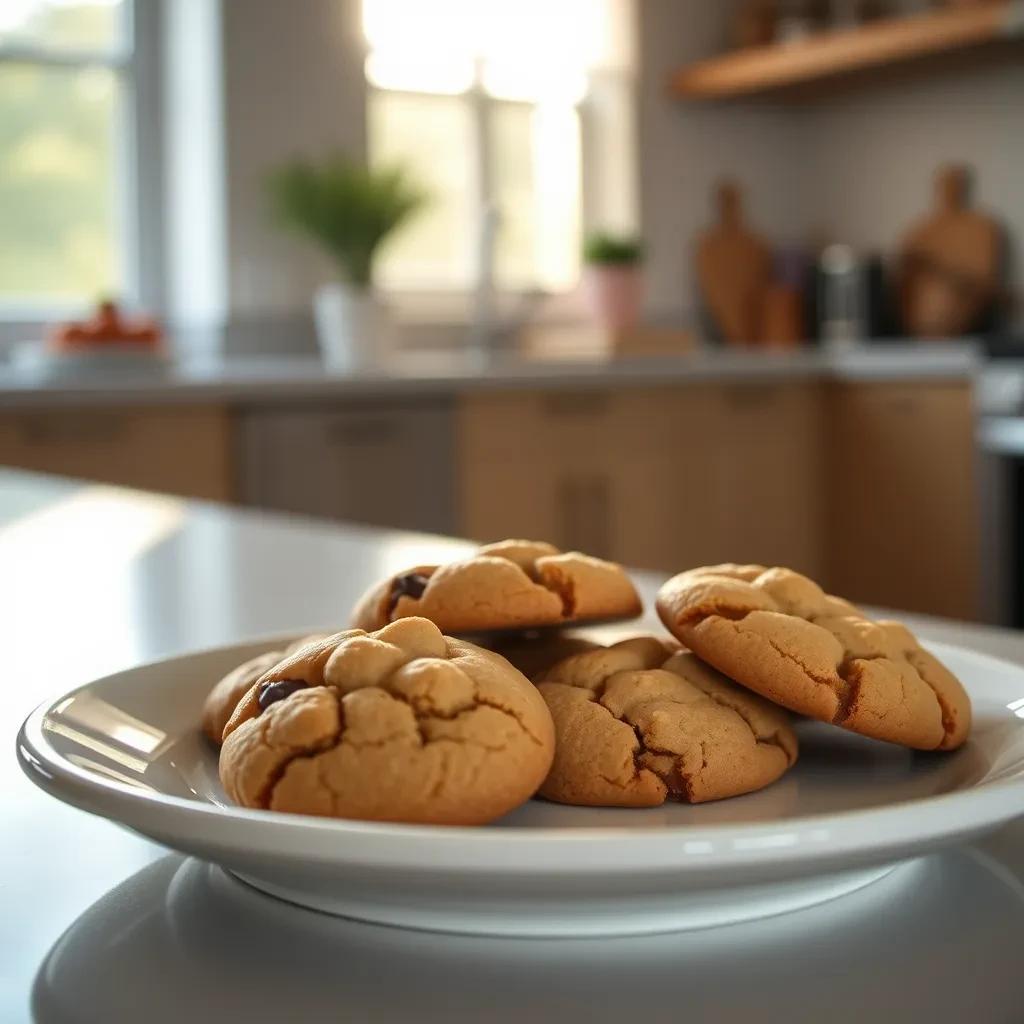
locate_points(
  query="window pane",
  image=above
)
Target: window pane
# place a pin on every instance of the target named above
(581, 33)
(536, 159)
(419, 72)
(531, 49)
(63, 24)
(448, 26)
(589, 33)
(431, 136)
(57, 209)
(535, 81)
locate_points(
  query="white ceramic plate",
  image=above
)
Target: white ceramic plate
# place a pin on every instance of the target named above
(128, 747)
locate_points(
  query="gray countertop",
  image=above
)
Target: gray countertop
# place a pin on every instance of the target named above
(98, 924)
(434, 373)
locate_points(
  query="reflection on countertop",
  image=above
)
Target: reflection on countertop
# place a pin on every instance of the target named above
(185, 927)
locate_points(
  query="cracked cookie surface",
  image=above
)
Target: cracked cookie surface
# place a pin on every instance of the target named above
(641, 722)
(225, 695)
(514, 584)
(404, 724)
(779, 634)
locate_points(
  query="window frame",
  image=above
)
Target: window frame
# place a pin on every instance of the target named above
(139, 183)
(481, 108)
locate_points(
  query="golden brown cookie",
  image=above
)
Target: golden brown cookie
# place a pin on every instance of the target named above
(404, 724)
(223, 698)
(641, 722)
(534, 652)
(779, 634)
(515, 584)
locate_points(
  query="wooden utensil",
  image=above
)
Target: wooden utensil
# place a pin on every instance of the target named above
(948, 275)
(733, 270)
(782, 321)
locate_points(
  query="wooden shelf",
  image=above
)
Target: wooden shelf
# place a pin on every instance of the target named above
(827, 55)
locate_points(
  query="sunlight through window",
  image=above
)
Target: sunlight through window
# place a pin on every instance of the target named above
(63, 70)
(490, 103)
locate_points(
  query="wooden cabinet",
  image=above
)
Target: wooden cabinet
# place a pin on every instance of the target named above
(661, 478)
(764, 465)
(181, 450)
(902, 515)
(868, 486)
(387, 465)
(579, 468)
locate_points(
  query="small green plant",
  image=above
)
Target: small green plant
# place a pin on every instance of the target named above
(604, 249)
(345, 206)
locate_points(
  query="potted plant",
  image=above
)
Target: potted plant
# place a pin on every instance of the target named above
(350, 209)
(613, 281)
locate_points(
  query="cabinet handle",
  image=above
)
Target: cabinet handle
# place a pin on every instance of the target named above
(61, 429)
(363, 432)
(581, 404)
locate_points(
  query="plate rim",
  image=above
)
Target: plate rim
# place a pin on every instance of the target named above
(798, 839)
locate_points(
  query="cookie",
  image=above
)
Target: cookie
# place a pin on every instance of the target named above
(534, 652)
(642, 722)
(779, 634)
(515, 584)
(226, 694)
(404, 724)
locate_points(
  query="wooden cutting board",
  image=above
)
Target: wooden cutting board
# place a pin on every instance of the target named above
(733, 269)
(949, 263)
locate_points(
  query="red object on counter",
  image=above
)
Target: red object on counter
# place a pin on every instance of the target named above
(106, 327)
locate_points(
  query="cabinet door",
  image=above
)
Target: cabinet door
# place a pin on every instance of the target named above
(767, 475)
(664, 478)
(581, 469)
(902, 509)
(383, 465)
(180, 450)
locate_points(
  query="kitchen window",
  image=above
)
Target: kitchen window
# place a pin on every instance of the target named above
(517, 116)
(70, 140)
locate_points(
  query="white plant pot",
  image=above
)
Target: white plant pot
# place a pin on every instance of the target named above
(352, 325)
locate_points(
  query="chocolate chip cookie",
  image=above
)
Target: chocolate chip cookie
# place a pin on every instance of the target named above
(403, 724)
(779, 634)
(641, 722)
(515, 584)
(226, 694)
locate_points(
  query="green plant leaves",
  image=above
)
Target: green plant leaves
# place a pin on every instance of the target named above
(603, 248)
(345, 206)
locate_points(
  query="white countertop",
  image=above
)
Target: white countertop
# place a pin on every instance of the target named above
(98, 924)
(442, 374)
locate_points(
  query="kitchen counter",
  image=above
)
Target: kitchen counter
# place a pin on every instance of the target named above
(98, 924)
(431, 374)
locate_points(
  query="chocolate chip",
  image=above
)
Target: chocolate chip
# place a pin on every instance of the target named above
(410, 585)
(271, 693)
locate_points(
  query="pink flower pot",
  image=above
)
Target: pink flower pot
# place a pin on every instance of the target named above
(614, 295)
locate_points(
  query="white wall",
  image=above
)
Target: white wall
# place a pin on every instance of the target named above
(685, 147)
(293, 85)
(287, 81)
(872, 151)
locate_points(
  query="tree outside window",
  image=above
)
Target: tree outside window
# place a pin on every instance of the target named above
(63, 80)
